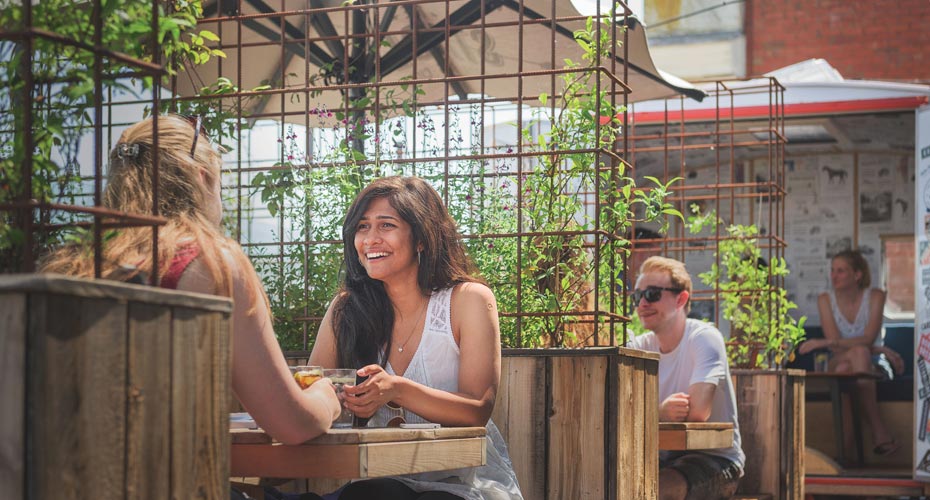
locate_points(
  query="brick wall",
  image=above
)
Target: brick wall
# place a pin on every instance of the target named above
(862, 39)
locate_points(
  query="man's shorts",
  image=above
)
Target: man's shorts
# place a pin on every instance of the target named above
(709, 477)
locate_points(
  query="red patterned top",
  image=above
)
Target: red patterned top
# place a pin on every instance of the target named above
(182, 258)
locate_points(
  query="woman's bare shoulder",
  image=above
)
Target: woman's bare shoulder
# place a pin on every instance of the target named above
(473, 291)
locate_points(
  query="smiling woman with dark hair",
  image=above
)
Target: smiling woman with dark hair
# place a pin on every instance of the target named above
(413, 319)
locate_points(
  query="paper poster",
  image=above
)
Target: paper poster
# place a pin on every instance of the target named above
(806, 228)
(904, 199)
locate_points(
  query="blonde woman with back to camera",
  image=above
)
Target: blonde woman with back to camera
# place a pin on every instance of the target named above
(195, 256)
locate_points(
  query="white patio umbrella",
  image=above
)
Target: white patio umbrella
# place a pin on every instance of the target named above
(317, 52)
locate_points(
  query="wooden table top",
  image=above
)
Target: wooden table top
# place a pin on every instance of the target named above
(842, 375)
(367, 435)
(357, 453)
(695, 435)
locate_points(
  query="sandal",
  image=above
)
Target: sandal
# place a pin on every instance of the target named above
(886, 448)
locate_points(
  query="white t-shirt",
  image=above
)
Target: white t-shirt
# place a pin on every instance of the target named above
(700, 357)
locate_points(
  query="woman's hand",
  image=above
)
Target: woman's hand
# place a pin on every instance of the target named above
(323, 391)
(812, 345)
(364, 399)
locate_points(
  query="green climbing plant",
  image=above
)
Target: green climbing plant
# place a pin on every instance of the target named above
(762, 332)
(62, 98)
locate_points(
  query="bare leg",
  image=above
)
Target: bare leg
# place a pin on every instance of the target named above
(861, 359)
(672, 485)
(842, 365)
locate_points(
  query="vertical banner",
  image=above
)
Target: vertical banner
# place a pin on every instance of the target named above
(922, 299)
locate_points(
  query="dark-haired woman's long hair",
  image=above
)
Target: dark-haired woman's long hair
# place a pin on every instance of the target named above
(363, 316)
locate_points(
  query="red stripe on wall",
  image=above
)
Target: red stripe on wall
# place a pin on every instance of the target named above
(791, 110)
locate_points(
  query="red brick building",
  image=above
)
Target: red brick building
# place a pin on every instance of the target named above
(863, 39)
(866, 39)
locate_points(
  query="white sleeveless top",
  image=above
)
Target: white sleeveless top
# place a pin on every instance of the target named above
(436, 364)
(856, 328)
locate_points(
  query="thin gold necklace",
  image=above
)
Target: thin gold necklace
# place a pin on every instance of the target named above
(420, 314)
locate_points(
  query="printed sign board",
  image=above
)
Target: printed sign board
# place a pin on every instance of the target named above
(921, 303)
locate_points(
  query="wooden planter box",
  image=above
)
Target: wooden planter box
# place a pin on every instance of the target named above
(771, 424)
(112, 390)
(581, 423)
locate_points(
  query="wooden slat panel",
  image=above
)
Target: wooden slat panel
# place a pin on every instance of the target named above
(576, 427)
(52, 284)
(149, 390)
(520, 415)
(650, 398)
(373, 435)
(13, 388)
(78, 385)
(268, 460)
(214, 364)
(860, 491)
(353, 461)
(794, 440)
(760, 413)
(638, 417)
(638, 426)
(184, 394)
(389, 459)
(200, 389)
(694, 439)
(208, 380)
(626, 451)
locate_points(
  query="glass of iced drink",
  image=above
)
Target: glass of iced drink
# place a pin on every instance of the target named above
(306, 375)
(341, 377)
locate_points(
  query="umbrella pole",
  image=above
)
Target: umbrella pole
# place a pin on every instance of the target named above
(356, 94)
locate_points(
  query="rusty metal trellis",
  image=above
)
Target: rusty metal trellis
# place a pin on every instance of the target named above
(31, 215)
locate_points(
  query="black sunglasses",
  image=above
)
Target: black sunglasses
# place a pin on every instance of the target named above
(197, 123)
(652, 293)
(398, 414)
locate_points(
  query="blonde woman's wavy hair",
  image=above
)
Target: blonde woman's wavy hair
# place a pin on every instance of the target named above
(184, 191)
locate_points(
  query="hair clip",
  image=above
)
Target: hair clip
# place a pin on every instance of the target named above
(127, 151)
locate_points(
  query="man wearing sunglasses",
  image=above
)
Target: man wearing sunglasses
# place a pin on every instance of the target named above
(694, 381)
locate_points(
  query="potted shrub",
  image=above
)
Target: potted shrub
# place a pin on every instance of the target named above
(762, 333)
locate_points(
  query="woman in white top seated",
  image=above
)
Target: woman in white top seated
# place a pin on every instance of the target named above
(851, 319)
(413, 319)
